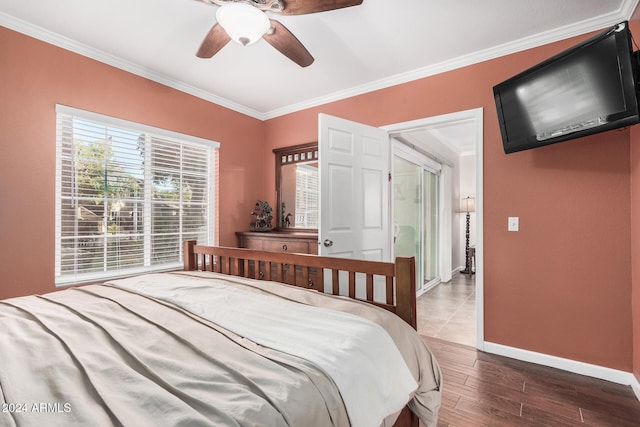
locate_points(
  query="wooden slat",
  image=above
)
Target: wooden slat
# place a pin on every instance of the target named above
(267, 271)
(389, 287)
(256, 269)
(369, 287)
(335, 282)
(287, 273)
(320, 285)
(234, 266)
(305, 277)
(245, 266)
(352, 284)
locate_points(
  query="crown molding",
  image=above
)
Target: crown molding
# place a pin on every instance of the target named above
(66, 43)
(624, 13)
(514, 46)
(627, 8)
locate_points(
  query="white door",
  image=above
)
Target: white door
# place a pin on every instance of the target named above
(355, 166)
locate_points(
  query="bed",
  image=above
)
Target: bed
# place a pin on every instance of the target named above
(238, 338)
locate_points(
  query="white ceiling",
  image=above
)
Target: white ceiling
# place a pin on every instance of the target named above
(356, 50)
(445, 141)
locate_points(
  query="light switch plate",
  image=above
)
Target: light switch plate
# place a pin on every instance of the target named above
(513, 223)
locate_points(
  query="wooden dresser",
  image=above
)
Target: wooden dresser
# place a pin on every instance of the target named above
(285, 241)
(279, 241)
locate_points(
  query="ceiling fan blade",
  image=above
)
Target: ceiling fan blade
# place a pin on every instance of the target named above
(288, 44)
(301, 7)
(216, 39)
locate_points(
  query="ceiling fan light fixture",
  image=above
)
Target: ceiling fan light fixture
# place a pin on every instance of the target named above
(245, 24)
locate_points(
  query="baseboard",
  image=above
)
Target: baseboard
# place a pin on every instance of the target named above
(595, 371)
(635, 385)
(457, 270)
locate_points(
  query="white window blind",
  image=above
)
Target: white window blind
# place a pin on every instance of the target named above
(127, 196)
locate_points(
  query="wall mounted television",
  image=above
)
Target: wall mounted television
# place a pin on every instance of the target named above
(589, 88)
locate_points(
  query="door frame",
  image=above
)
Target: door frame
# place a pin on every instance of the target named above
(475, 116)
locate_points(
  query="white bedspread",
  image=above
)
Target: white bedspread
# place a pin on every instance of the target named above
(110, 355)
(360, 356)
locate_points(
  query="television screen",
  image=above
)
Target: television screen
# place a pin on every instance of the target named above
(587, 89)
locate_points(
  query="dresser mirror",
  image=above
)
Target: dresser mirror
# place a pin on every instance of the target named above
(297, 185)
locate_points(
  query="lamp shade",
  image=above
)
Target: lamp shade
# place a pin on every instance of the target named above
(468, 204)
(245, 24)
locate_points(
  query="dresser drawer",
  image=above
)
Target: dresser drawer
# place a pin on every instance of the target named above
(300, 243)
(285, 246)
(249, 243)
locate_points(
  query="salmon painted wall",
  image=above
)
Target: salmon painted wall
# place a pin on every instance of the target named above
(34, 76)
(635, 228)
(562, 284)
(635, 246)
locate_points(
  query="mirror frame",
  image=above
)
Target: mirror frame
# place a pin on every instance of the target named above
(286, 156)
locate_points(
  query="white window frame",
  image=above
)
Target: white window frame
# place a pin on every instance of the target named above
(149, 131)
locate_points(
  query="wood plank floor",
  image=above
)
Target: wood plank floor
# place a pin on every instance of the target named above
(481, 389)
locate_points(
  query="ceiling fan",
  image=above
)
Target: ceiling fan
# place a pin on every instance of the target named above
(246, 22)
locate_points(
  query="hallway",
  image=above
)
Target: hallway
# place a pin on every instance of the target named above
(448, 311)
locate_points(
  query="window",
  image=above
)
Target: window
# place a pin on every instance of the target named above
(127, 196)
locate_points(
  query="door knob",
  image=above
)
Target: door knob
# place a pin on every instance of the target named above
(328, 243)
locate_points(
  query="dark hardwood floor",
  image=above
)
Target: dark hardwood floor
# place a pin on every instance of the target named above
(481, 389)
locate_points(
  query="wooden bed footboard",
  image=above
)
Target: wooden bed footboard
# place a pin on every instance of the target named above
(314, 271)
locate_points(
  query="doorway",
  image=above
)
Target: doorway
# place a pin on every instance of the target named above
(473, 120)
(338, 142)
